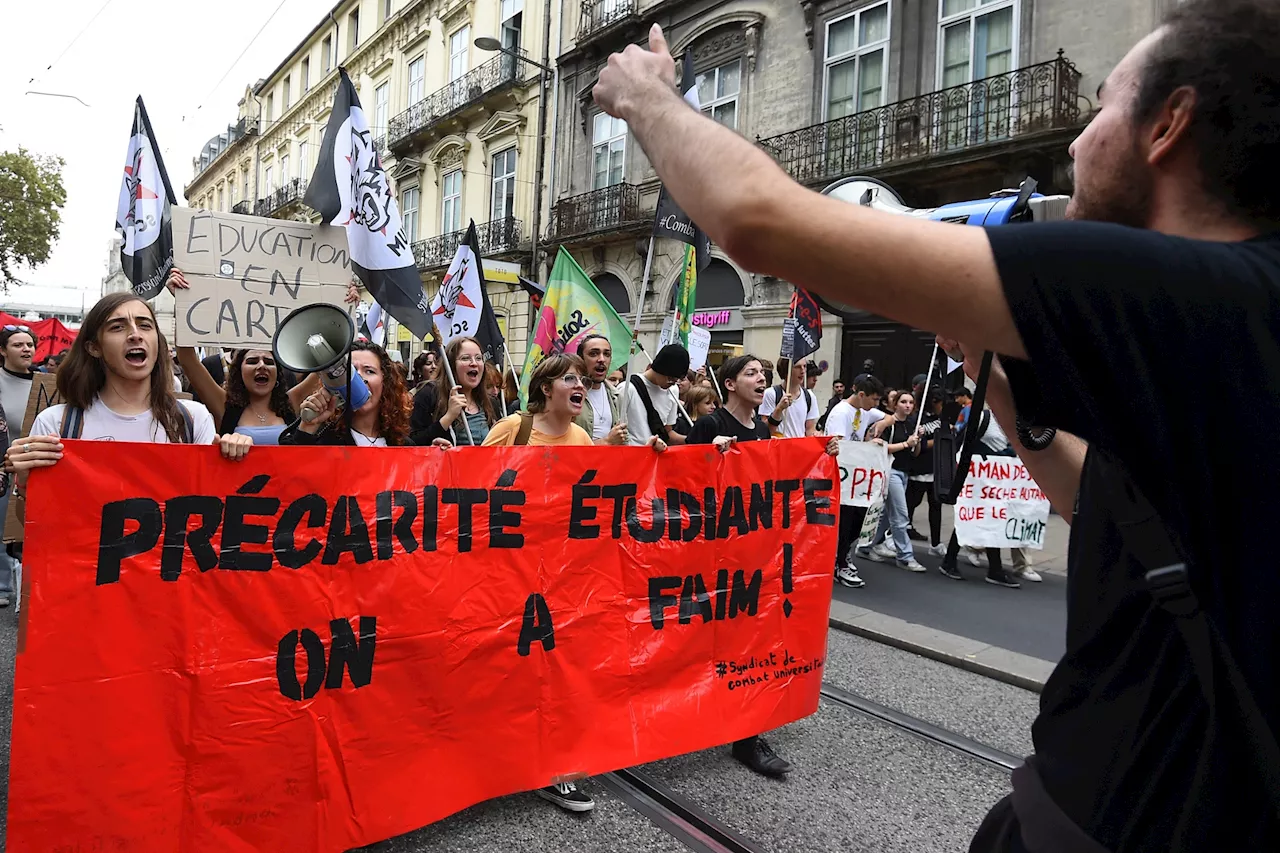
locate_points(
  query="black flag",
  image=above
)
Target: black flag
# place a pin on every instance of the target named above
(670, 220)
(461, 306)
(350, 188)
(143, 210)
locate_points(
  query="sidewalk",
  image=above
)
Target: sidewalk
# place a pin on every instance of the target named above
(1052, 558)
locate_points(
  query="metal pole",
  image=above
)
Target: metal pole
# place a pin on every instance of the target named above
(516, 376)
(644, 288)
(541, 154)
(924, 392)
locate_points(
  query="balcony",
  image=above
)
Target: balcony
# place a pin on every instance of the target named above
(499, 237)
(600, 15)
(481, 81)
(245, 207)
(290, 193)
(1019, 105)
(612, 208)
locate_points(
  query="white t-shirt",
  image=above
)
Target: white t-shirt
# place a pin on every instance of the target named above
(102, 424)
(793, 419)
(363, 440)
(602, 414)
(847, 421)
(637, 419)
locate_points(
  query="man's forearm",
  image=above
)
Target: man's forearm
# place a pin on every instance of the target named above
(1056, 469)
(928, 275)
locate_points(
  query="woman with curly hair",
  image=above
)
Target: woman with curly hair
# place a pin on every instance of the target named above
(383, 421)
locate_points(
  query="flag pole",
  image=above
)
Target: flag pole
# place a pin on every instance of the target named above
(924, 392)
(155, 149)
(516, 376)
(644, 289)
(448, 371)
(715, 382)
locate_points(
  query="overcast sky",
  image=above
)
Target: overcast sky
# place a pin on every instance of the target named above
(172, 52)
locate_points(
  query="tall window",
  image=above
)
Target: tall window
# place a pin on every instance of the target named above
(231, 188)
(512, 16)
(304, 160)
(451, 202)
(306, 74)
(381, 108)
(976, 39)
(386, 9)
(608, 151)
(718, 92)
(220, 198)
(267, 186)
(416, 71)
(855, 63)
(326, 54)
(353, 31)
(458, 44)
(271, 107)
(245, 185)
(287, 88)
(503, 204)
(284, 169)
(409, 213)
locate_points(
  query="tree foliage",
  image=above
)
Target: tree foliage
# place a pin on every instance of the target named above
(31, 200)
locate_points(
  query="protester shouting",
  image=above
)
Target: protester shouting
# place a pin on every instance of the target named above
(383, 420)
(18, 345)
(601, 410)
(742, 385)
(118, 386)
(791, 409)
(462, 412)
(903, 443)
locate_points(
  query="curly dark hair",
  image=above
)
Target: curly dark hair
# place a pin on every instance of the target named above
(394, 408)
(1225, 50)
(238, 394)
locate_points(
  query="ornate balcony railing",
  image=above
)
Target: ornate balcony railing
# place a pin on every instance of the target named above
(466, 90)
(993, 110)
(244, 207)
(599, 15)
(380, 145)
(607, 209)
(497, 237)
(288, 193)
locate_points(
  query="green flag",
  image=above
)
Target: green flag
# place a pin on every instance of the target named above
(685, 296)
(571, 309)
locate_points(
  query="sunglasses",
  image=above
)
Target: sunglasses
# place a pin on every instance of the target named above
(17, 328)
(571, 379)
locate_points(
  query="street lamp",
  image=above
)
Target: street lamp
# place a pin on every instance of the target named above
(491, 44)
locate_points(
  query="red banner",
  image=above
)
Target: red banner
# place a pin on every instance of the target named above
(315, 649)
(51, 336)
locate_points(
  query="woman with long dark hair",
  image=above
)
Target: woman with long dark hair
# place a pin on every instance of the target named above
(383, 420)
(464, 412)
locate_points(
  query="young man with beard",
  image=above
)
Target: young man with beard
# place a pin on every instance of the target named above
(601, 416)
(1177, 169)
(849, 420)
(742, 385)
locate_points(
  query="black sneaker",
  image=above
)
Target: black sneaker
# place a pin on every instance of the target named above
(916, 536)
(567, 796)
(848, 576)
(1002, 578)
(760, 757)
(951, 572)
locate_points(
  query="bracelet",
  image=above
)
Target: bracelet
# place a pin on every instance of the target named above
(1033, 442)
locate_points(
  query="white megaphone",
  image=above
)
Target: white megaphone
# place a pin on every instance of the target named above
(317, 339)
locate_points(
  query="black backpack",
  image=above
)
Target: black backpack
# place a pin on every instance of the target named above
(656, 426)
(73, 423)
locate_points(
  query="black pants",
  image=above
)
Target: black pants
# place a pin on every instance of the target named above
(851, 518)
(916, 492)
(953, 552)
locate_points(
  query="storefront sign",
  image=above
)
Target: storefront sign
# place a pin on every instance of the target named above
(719, 319)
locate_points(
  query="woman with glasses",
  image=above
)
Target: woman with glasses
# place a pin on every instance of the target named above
(556, 393)
(461, 413)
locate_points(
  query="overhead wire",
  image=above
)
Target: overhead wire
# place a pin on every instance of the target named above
(236, 62)
(83, 30)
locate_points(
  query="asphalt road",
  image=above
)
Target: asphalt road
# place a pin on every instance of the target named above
(1031, 620)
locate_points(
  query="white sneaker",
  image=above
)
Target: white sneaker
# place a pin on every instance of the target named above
(1027, 573)
(938, 550)
(848, 576)
(976, 558)
(911, 566)
(881, 554)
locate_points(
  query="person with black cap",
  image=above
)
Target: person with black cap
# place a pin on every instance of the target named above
(648, 404)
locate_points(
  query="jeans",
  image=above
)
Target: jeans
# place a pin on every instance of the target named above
(895, 517)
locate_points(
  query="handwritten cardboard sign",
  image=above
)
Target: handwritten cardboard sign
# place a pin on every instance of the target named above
(1001, 506)
(864, 472)
(247, 273)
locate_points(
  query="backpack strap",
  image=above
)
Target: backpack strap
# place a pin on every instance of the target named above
(188, 424)
(656, 426)
(72, 422)
(526, 430)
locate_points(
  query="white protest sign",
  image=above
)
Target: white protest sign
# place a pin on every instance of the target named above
(871, 521)
(864, 472)
(699, 346)
(247, 273)
(668, 333)
(1001, 506)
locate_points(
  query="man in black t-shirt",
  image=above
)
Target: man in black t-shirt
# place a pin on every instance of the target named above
(1100, 326)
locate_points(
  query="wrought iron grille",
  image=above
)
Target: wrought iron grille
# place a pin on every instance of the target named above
(288, 193)
(464, 91)
(995, 109)
(604, 209)
(600, 14)
(245, 207)
(496, 237)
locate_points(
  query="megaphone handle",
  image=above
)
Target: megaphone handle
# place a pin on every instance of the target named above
(308, 414)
